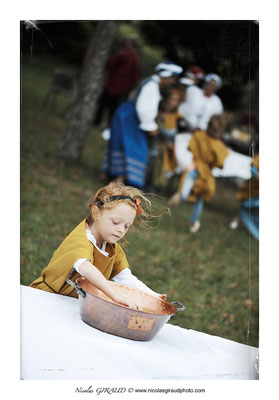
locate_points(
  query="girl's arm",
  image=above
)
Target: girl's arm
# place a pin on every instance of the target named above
(191, 167)
(90, 272)
(127, 278)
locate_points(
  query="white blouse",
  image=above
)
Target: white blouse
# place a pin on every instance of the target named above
(197, 109)
(125, 276)
(147, 104)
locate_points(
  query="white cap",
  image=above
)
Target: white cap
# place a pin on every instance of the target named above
(214, 77)
(186, 81)
(167, 69)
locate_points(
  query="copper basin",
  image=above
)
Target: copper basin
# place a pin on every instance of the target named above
(101, 312)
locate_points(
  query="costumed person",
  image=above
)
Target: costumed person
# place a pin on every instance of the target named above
(212, 104)
(201, 104)
(172, 120)
(194, 75)
(197, 182)
(132, 147)
(123, 72)
(91, 249)
(190, 84)
(191, 80)
(248, 195)
(190, 89)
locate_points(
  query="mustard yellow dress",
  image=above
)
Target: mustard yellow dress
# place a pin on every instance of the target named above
(169, 160)
(76, 246)
(208, 153)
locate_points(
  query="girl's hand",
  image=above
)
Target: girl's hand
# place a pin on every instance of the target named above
(127, 302)
(170, 145)
(154, 133)
(163, 296)
(175, 199)
(90, 272)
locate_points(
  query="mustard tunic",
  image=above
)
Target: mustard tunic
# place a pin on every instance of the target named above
(76, 246)
(169, 159)
(208, 153)
(171, 120)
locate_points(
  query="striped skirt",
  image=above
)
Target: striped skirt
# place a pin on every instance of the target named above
(127, 151)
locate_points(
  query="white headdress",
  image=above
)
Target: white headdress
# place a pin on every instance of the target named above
(214, 77)
(167, 69)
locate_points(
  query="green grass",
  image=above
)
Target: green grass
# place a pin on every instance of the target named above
(214, 272)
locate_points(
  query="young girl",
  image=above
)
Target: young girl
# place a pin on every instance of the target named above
(169, 130)
(91, 249)
(197, 182)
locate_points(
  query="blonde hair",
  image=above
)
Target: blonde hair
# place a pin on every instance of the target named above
(102, 199)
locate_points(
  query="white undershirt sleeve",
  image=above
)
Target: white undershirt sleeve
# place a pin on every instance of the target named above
(79, 262)
(127, 278)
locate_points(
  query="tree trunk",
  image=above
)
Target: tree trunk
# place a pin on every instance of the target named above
(80, 115)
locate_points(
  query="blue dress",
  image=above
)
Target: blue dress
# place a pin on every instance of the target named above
(127, 152)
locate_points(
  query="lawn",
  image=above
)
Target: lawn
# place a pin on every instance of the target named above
(214, 272)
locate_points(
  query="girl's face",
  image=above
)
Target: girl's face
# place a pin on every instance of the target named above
(173, 101)
(113, 223)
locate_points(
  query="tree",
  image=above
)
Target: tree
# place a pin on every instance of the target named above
(80, 115)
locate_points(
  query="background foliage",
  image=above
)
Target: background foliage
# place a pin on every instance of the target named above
(228, 48)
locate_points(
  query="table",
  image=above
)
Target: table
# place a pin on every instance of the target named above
(57, 344)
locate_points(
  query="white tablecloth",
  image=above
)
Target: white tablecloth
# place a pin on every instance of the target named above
(57, 344)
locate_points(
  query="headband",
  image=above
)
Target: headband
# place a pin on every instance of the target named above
(113, 198)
